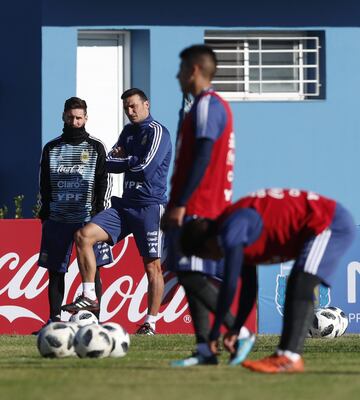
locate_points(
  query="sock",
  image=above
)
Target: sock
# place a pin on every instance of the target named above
(151, 320)
(89, 290)
(289, 354)
(244, 333)
(204, 349)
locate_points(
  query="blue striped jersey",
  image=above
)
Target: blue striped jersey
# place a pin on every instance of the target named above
(147, 148)
(74, 183)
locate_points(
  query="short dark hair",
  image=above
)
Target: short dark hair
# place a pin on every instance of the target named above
(202, 55)
(194, 234)
(133, 92)
(75, 102)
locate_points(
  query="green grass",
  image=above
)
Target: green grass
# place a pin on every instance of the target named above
(332, 372)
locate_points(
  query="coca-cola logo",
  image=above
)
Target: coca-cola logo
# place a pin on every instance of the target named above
(24, 284)
(74, 169)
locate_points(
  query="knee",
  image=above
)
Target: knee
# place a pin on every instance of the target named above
(82, 239)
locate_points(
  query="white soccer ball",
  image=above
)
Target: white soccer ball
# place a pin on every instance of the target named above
(56, 340)
(83, 318)
(73, 325)
(326, 324)
(120, 339)
(93, 341)
(344, 321)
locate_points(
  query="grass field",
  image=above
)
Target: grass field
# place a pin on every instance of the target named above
(332, 372)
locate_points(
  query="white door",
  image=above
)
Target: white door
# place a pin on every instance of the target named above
(103, 65)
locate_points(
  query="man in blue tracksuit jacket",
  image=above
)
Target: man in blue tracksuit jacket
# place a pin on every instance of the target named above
(143, 154)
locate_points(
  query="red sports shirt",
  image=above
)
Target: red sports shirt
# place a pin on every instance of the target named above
(214, 193)
(290, 216)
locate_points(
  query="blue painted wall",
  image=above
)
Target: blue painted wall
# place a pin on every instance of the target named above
(312, 144)
(20, 102)
(59, 47)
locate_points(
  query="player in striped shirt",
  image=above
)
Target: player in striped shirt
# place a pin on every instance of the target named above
(273, 226)
(143, 154)
(74, 186)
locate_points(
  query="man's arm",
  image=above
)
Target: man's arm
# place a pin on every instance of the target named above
(232, 270)
(175, 215)
(102, 186)
(248, 295)
(201, 161)
(157, 148)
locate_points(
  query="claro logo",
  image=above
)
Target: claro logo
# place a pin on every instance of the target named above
(352, 270)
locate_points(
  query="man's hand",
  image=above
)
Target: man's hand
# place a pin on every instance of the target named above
(214, 346)
(230, 339)
(173, 218)
(117, 152)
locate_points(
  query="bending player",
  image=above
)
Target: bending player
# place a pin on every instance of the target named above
(272, 226)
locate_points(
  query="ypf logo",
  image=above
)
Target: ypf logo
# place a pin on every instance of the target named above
(322, 293)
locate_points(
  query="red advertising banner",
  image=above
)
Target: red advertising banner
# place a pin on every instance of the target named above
(23, 286)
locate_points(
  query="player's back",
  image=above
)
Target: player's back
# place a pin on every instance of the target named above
(289, 217)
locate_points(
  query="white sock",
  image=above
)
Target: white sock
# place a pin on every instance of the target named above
(89, 290)
(289, 354)
(204, 349)
(151, 320)
(244, 333)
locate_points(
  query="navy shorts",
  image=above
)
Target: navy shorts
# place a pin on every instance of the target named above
(142, 222)
(176, 261)
(321, 254)
(57, 243)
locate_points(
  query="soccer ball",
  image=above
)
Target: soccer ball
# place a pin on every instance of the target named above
(92, 341)
(326, 324)
(344, 321)
(120, 339)
(73, 325)
(83, 318)
(56, 340)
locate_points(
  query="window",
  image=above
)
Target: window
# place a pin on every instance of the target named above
(266, 65)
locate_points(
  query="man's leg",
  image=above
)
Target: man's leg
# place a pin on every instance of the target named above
(98, 290)
(298, 314)
(55, 252)
(56, 290)
(85, 238)
(144, 223)
(198, 285)
(200, 318)
(155, 294)
(201, 295)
